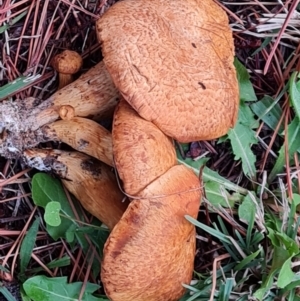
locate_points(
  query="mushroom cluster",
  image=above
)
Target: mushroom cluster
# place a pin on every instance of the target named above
(167, 74)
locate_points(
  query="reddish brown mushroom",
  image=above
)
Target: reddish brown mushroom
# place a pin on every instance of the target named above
(150, 252)
(173, 64)
(66, 64)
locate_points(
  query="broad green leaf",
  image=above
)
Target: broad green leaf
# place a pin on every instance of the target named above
(246, 89)
(53, 289)
(246, 116)
(46, 189)
(28, 245)
(208, 174)
(294, 89)
(290, 244)
(293, 146)
(268, 111)
(247, 210)
(246, 213)
(6, 293)
(242, 138)
(215, 196)
(286, 275)
(51, 215)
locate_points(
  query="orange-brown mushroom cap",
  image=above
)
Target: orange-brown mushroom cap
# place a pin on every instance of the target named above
(150, 252)
(173, 63)
(67, 62)
(142, 153)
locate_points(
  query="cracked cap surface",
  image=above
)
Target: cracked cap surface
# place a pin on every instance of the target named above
(173, 64)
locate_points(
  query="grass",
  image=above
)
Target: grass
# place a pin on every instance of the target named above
(248, 225)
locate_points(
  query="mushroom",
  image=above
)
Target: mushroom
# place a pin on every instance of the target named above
(83, 135)
(150, 252)
(142, 153)
(93, 183)
(93, 95)
(173, 64)
(66, 64)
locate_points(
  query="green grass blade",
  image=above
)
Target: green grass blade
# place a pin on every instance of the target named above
(13, 21)
(17, 85)
(6, 293)
(294, 89)
(209, 230)
(244, 263)
(28, 245)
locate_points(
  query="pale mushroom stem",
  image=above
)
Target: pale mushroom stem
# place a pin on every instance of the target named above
(92, 182)
(64, 80)
(83, 135)
(93, 95)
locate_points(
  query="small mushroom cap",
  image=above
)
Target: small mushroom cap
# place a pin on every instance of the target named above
(67, 62)
(150, 252)
(142, 152)
(173, 63)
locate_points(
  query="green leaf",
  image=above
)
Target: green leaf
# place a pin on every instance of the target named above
(294, 89)
(46, 189)
(246, 89)
(53, 289)
(226, 289)
(269, 111)
(216, 197)
(290, 244)
(51, 215)
(247, 210)
(246, 117)
(28, 245)
(293, 146)
(286, 275)
(242, 138)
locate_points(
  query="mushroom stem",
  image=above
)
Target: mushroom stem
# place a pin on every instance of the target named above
(93, 183)
(92, 95)
(83, 135)
(64, 80)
